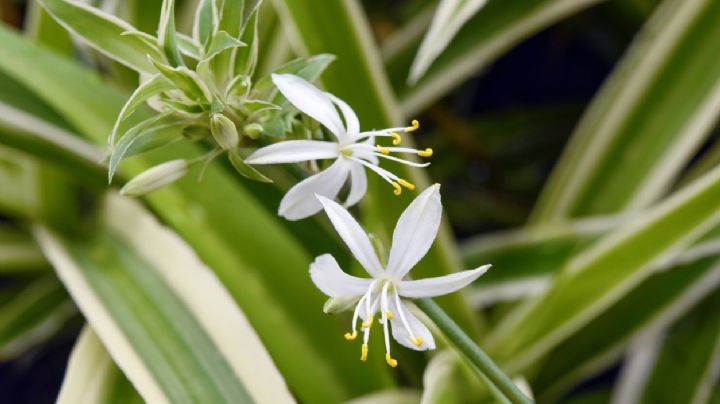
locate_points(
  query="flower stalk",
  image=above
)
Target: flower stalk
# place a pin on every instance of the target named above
(472, 352)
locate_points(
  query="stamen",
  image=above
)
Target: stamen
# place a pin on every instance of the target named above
(397, 139)
(425, 153)
(369, 322)
(390, 361)
(406, 184)
(352, 336)
(398, 189)
(417, 341)
(388, 314)
(383, 150)
(364, 352)
(415, 126)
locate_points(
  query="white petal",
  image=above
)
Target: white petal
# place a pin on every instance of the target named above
(415, 231)
(358, 184)
(440, 285)
(351, 120)
(401, 334)
(311, 101)
(331, 280)
(353, 235)
(300, 201)
(293, 151)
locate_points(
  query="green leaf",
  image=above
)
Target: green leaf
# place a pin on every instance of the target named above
(231, 17)
(206, 16)
(163, 316)
(693, 345)
(92, 376)
(449, 17)
(246, 58)
(606, 272)
(104, 32)
(188, 46)
(500, 26)
(42, 28)
(246, 170)
(647, 122)
(167, 37)
(32, 315)
(187, 81)
(653, 305)
(148, 134)
(221, 41)
(152, 87)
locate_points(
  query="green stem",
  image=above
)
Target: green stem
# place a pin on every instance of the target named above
(472, 352)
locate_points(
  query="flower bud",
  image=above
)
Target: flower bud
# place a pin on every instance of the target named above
(253, 130)
(155, 177)
(224, 131)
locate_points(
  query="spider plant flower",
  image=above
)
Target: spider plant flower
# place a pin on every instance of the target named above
(388, 288)
(352, 150)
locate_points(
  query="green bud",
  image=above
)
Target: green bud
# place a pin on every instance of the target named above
(339, 304)
(156, 177)
(239, 87)
(253, 130)
(224, 131)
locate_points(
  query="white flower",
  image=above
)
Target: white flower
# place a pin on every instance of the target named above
(352, 151)
(386, 291)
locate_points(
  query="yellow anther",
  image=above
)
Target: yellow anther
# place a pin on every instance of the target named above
(383, 150)
(369, 322)
(406, 184)
(390, 361)
(398, 189)
(415, 126)
(363, 352)
(352, 336)
(417, 341)
(425, 153)
(397, 139)
(388, 314)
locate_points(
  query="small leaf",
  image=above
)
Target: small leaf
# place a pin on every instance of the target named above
(188, 46)
(246, 58)
(150, 88)
(246, 170)
(186, 80)
(221, 41)
(205, 17)
(104, 32)
(167, 38)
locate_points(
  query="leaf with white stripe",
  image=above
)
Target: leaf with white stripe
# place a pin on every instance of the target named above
(92, 376)
(648, 120)
(163, 316)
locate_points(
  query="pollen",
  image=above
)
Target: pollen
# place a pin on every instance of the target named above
(417, 341)
(397, 139)
(390, 361)
(398, 189)
(352, 336)
(383, 150)
(415, 126)
(389, 314)
(406, 184)
(425, 153)
(369, 322)
(363, 352)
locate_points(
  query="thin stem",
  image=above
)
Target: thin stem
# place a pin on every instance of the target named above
(472, 352)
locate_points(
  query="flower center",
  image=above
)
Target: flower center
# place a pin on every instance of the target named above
(377, 298)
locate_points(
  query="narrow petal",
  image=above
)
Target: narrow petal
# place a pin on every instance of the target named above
(352, 123)
(440, 285)
(400, 332)
(311, 101)
(358, 184)
(300, 201)
(293, 151)
(353, 235)
(415, 231)
(331, 280)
